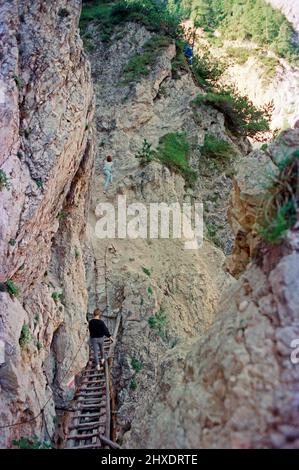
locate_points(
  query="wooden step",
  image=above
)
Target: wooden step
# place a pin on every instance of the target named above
(89, 395)
(84, 436)
(91, 415)
(90, 389)
(89, 446)
(90, 406)
(91, 425)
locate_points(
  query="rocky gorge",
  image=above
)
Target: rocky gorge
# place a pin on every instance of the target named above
(219, 365)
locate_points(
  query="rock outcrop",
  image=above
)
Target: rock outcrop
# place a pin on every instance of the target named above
(237, 386)
(252, 179)
(46, 106)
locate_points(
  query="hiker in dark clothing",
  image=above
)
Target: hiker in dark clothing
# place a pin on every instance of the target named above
(98, 330)
(188, 51)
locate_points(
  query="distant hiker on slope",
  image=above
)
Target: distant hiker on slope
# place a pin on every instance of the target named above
(98, 330)
(188, 51)
(108, 166)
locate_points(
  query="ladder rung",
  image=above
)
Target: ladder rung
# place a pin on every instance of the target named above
(91, 406)
(89, 446)
(90, 415)
(84, 436)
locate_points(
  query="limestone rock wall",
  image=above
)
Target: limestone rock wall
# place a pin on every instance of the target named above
(253, 175)
(185, 284)
(46, 107)
(237, 386)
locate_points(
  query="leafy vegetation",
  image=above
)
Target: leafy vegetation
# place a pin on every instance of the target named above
(57, 296)
(147, 271)
(133, 384)
(217, 148)
(140, 65)
(31, 443)
(158, 322)
(173, 152)
(240, 54)
(25, 336)
(136, 364)
(241, 116)
(146, 154)
(4, 181)
(77, 253)
(270, 65)
(62, 215)
(18, 81)
(156, 16)
(280, 208)
(206, 70)
(11, 287)
(252, 20)
(150, 290)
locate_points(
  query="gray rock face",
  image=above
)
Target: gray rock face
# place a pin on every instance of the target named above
(236, 387)
(46, 150)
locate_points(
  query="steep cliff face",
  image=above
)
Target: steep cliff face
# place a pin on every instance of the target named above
(151, 277)
(47, 155)
(236, 387)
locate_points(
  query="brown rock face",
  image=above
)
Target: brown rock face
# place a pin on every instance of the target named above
(253, 176)
(46, 107)
(237, 387)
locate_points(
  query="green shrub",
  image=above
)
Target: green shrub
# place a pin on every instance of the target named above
(140, 65)
(39, 183)
(146, 154)
(155, 16)
(217, 148)
(158, 322)
(173, 152)
(77, 253)
(150, 290)
(25, 336)
(240, 54)
(12, 242)
(62, 215)
(133, 384)
(57, 296)
(31, 443)
(39, 345)
(136, 364)
(18, 81)
(241, 116)
(11, 288)
(4, 181)
(206, 70)
(270, 65)
(279, 211)
(264, 147)
(282, 221)
(146, 271)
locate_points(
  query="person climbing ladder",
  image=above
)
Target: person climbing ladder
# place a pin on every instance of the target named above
(108, 165)
(98, 330)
